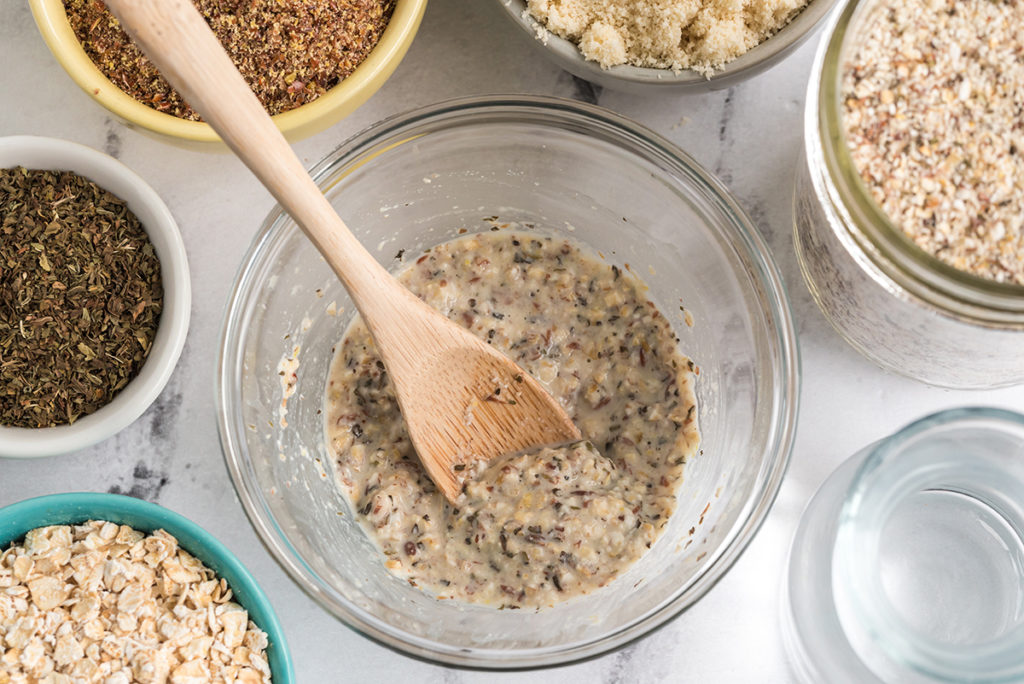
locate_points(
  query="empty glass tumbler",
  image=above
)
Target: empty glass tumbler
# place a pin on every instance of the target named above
(908, 563)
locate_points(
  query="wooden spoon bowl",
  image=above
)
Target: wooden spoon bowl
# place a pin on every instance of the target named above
(445, 377)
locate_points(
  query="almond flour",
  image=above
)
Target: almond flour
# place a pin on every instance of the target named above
(934, 118)
(702, 35)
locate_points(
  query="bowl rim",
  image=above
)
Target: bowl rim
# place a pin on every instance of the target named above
(74, 507)
(755, 60)
(780, 435)
(342, 99)
(162, 230)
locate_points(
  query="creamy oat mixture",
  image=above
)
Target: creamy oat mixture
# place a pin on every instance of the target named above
(100, 602)
(702, 35)
(532, 529)
(933, 96)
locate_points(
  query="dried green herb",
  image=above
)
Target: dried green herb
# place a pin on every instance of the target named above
(80, 297)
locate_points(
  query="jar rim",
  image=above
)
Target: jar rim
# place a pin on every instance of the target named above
(888, 477)
(887, 245)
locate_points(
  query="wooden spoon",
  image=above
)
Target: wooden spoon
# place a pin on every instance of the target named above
(446, 379)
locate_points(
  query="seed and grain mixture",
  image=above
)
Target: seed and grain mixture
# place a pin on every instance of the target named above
(534, 529)
(934, 95)
(101, 602)
(80, 297)
(289, 51)
(702, 35)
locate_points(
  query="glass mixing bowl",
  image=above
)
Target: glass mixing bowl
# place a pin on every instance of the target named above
(422, 178)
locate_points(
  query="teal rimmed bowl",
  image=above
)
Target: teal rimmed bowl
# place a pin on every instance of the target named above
(69, 509)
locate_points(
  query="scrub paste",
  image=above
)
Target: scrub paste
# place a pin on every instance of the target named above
(537, 528)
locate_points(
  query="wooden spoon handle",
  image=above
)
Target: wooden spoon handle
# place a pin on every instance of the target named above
(176, 37)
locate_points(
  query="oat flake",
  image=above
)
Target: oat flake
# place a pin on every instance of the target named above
(101, 602)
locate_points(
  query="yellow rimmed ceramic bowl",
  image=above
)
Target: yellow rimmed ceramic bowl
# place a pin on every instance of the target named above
(296, 124)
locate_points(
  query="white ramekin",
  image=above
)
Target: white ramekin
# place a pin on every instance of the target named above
(48, 153)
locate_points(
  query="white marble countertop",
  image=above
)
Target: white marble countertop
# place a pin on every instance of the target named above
(749, 136)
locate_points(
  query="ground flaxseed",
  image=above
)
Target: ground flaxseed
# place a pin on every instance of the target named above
(289, 51)
(934, 117)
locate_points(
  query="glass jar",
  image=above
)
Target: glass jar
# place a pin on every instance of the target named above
(908, 563)
(896, 304)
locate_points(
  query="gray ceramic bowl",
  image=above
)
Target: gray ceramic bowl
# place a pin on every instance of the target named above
(642, 80)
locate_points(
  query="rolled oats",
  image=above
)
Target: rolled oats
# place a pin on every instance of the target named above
(101, 602)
